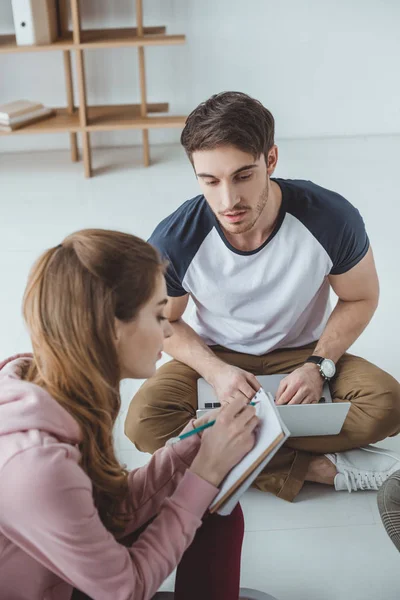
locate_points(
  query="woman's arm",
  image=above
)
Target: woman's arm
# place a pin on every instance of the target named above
(47, 510)
(151, 484)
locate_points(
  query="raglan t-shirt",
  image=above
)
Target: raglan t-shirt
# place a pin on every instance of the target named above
(276, 296)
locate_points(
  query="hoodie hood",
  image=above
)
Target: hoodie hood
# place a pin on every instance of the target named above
(25, 406)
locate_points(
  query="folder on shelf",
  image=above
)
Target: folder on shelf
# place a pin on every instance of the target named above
(35, 21)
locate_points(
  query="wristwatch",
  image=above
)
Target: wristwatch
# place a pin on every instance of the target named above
(327, 367)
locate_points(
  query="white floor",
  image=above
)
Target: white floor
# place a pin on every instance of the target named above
(326, 545)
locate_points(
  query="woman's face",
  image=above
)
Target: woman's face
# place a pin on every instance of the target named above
(140, 342)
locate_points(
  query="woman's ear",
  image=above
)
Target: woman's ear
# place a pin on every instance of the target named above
(118, 329)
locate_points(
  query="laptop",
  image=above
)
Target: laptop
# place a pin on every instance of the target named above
(324, 418)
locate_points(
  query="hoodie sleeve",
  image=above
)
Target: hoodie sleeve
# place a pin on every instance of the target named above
(151, 484)
(47, 510)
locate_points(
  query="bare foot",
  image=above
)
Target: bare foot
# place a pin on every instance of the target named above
(321, 470)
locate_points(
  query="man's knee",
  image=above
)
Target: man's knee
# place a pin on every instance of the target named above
(377, 410)
(389, 407)
(151, 421)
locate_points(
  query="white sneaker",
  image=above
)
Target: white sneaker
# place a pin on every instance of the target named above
(364, 468)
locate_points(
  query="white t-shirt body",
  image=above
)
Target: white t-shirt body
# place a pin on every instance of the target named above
(276, 296)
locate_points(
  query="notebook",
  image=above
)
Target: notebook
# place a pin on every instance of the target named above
(270, 436)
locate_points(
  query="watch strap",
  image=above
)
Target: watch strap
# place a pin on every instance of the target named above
(315, 359)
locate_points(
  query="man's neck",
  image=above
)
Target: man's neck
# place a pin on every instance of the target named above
(264, 226)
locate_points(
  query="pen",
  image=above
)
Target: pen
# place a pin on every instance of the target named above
(175, 440)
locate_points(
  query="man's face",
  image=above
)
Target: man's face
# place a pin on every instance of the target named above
(234, 184)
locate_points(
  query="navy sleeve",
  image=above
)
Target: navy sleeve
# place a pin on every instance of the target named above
(178, 238)
(333, 221)
(174, 284)
(352, 243)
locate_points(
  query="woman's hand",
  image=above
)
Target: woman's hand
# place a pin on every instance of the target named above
(225, 443)
(211, 415)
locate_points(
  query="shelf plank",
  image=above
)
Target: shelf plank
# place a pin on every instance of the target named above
(61, 121)
(98, 38)
(101, 118)
(8, 44)
(114, 112)
(118, 38)
(119, 122)
(90, 36)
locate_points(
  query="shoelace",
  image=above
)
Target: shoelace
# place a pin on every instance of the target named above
(363, 480)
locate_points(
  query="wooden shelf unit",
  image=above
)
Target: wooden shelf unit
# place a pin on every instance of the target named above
(99, 38)
(82, 118)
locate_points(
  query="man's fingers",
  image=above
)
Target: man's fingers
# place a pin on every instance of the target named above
(310, 399)
(286, 396)
(281, 388)
(299, 397)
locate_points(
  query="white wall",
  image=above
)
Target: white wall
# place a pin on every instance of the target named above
(324, 68)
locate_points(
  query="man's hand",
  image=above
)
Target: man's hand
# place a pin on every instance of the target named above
(303, 386)
(232, 382)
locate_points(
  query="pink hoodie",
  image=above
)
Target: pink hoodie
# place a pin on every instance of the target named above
(51, 536)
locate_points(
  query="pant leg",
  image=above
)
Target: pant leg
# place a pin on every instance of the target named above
(389, 507)
(374, 414)
(166, 402)
(210, 567)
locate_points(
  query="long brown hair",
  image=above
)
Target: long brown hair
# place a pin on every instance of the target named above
(229, 119)
(73, 295)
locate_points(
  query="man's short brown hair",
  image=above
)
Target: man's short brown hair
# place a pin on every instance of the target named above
(229, 119)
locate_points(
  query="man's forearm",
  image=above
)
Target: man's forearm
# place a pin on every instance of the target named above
(346, 323)
(187, 346)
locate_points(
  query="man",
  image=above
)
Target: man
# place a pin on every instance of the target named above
(259, 256)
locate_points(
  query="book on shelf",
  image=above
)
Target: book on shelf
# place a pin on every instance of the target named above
(25, 119)
(17, 108)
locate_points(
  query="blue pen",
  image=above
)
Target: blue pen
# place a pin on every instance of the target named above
(175, 440)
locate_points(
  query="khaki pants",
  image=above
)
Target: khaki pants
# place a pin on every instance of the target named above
(167, 401)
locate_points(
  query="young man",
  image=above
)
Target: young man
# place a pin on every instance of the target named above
(258, 256)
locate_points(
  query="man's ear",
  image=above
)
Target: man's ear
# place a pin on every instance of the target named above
(272, 160)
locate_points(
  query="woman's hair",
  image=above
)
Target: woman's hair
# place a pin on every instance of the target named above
(73, 294)
(229, 119)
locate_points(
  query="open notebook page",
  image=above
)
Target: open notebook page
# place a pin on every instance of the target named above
(270, 436)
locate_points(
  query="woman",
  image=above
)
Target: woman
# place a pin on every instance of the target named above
(68, 510)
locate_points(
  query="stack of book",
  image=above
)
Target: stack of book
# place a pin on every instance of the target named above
(22, 112)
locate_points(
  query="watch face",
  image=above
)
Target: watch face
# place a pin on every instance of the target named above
(328, 368)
